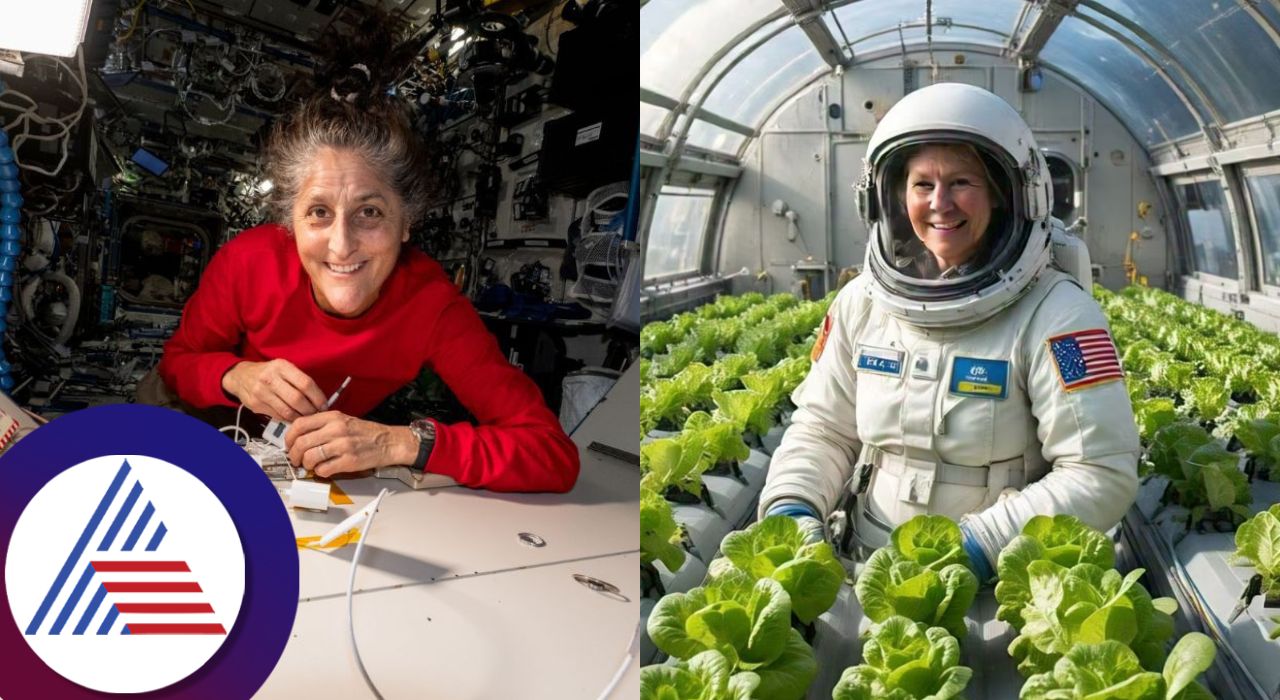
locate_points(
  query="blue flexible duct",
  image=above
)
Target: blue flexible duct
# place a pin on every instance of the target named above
(10, 245)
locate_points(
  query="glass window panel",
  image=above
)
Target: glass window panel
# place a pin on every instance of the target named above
(714, 138)
(774, 69)
(1126, 85)
(675, 235)
(1212, 241)
(915, 40)
(678, 36)
(769, 30)
(862, 18)
(1219, 44)
(1264, 192)
(651, 118)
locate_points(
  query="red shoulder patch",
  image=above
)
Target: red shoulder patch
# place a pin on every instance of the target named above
(822, 339)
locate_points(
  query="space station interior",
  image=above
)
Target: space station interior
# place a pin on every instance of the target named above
(793, 325)
(138, 153)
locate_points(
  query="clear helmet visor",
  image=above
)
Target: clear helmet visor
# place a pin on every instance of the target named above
(949, 220)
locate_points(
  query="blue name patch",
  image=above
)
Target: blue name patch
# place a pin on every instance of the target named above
(987, 379)
(880, 360)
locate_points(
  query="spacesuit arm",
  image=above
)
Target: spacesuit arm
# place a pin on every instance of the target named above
(1087, 434)
(818, 450)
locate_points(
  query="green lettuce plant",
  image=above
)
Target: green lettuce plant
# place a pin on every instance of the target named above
(891, 585)
(1110, 671)
(1203, 474)
(1061, 539)
(675, 461)
(1259, 439)
(1207, 396)
(659, 533)
(1258, 545)
(905, 660)
(932, 541)
(746, 409)
(727, 372)
(747, 622)
(1083, 604)
(707, 676)
(922, 574)
(789, 675)
(776, 548)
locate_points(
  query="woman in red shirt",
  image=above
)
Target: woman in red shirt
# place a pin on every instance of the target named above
(286, 311)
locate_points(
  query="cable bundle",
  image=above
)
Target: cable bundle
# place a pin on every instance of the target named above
(10, 247)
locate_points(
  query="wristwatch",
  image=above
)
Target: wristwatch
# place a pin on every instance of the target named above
(425, 430)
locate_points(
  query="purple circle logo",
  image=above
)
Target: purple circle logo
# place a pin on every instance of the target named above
(145, 554)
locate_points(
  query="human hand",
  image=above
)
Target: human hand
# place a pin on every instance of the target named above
(332, 442)
(276, 388)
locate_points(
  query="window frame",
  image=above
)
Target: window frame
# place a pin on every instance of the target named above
(1264, 168)
(699, 257)
(1176, 183)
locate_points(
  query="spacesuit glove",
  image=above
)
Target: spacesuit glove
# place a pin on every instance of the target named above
(977, 558)
(805, 517)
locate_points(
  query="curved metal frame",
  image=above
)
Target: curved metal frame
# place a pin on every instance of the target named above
(1144, 35)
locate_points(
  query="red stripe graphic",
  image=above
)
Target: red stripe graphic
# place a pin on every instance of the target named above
(175, 629)
(164, 607)
(152, 587)
(112, 566)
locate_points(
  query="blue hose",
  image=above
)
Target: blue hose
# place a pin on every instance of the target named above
(10, 245)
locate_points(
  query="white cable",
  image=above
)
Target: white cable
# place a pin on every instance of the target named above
(622, 668)
(351, 584)
(238, 431)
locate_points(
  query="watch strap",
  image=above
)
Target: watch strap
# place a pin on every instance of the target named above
(425, 431)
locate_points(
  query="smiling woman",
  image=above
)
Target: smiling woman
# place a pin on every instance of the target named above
(287, 310)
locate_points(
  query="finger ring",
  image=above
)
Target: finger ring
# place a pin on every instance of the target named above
(323, 456)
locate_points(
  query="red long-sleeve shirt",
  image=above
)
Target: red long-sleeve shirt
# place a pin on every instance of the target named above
(255, 303)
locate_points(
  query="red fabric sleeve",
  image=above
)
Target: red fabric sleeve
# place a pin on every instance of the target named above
(518, 444)
(209, 333)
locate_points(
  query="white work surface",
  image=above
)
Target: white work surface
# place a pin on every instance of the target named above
(450, 604)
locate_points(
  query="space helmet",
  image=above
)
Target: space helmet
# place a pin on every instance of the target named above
(956, 198)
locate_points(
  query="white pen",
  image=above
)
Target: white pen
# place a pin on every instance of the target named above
(334, 398)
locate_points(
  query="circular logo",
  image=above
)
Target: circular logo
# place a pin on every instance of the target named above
(125, 545)
(145, 554)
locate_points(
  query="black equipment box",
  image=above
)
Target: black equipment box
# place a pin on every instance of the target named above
(585, 150)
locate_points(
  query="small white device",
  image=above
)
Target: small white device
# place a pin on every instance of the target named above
(276, 429)
(354, 519)
(311, 495)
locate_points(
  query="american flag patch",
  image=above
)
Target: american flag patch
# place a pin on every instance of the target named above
(1085, 358)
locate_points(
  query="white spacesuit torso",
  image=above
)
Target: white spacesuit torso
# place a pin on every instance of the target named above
(981, 423)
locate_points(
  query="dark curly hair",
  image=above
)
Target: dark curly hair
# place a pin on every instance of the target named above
(350, 107)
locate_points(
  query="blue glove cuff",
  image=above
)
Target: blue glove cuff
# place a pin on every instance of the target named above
(978, 558)
(793, 508)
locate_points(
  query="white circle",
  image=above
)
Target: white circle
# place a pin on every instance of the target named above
(197, 531)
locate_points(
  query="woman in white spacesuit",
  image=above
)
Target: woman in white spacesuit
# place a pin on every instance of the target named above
(964, 374)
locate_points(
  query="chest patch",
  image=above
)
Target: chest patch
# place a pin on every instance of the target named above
(880, 360)
(988, 379)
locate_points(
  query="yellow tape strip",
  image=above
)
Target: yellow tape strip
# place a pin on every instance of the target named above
(337, 496)
(351, 537)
